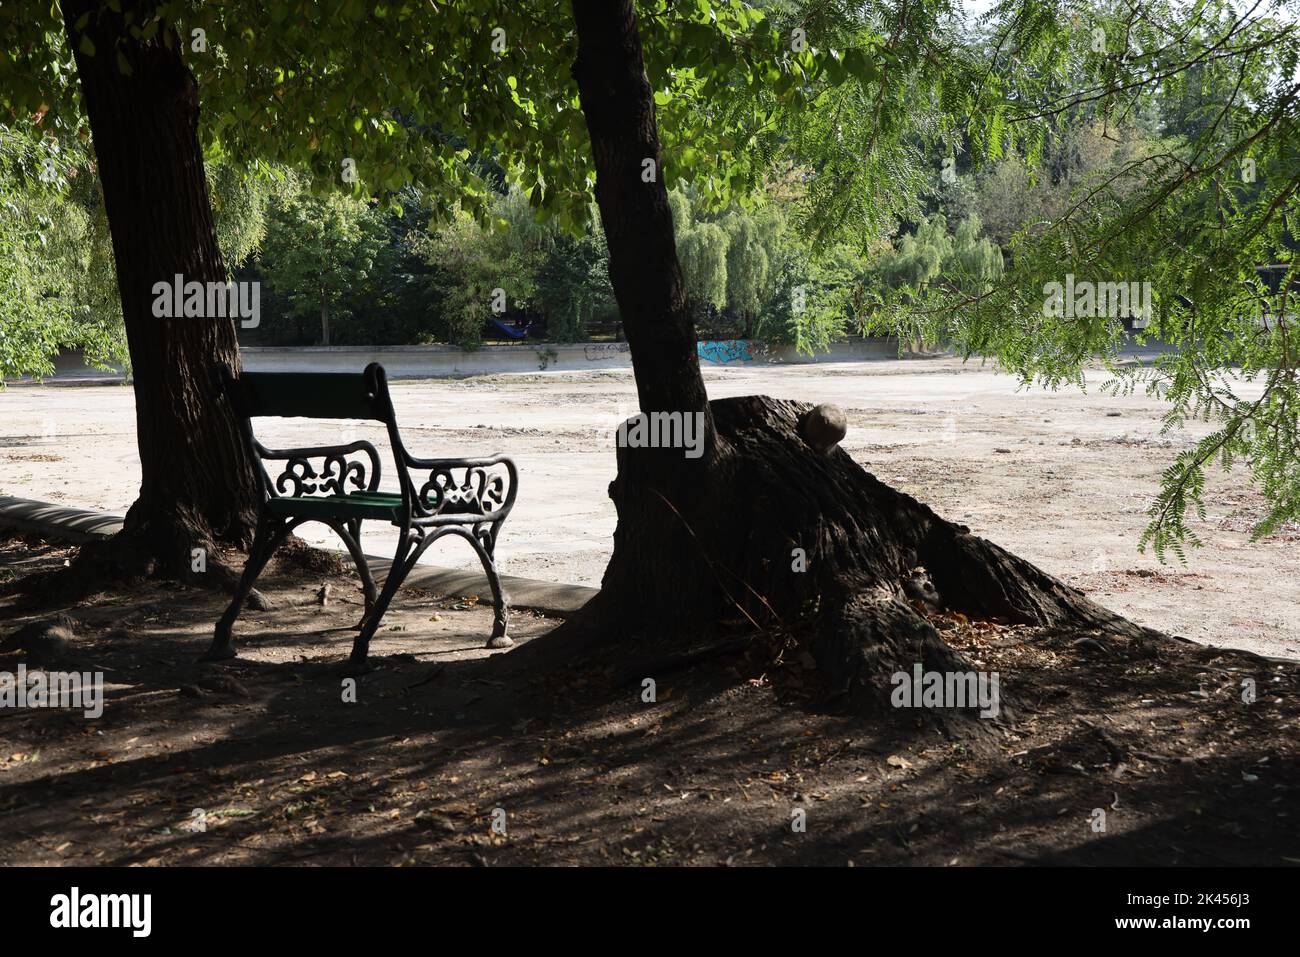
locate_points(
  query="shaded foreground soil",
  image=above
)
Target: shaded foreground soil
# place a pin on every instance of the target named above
(261, 761)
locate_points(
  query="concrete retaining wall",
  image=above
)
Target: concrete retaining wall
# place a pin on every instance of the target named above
(433, 361)
(417, 362)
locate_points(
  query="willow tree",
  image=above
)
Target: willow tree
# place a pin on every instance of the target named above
(621, 100)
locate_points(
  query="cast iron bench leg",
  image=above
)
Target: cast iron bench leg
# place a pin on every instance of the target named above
(500, 600)
(403, 561)
(266, 540)
(350, 532)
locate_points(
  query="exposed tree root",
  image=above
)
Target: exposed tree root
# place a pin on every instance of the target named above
(308, 559)
(783, 534)
(100, 565)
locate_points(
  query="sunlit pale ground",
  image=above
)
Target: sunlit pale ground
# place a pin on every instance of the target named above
(1062, 478)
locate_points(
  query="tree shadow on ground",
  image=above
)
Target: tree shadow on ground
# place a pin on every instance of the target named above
(733, 762)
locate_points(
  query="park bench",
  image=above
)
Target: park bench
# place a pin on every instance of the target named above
(338, 485)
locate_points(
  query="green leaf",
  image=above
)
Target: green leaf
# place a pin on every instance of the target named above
(860, 66)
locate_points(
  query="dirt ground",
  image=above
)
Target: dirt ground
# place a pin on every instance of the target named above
(1062, 478)
(262, 761)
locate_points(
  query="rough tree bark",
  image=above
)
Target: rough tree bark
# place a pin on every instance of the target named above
(647, 280)
(142, 103)
(703, 541)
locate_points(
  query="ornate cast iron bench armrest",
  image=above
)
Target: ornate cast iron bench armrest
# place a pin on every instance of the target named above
(300, 478)
(484, 491)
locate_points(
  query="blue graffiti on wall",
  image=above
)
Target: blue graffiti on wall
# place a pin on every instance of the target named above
(725, 350)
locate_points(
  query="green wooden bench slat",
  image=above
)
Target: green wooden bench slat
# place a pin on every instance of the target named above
(354, 505)
(314, 395)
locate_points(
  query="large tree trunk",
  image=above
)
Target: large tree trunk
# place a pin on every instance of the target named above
(643, 266)
(647, 280)
(143, 106)
(706, 541)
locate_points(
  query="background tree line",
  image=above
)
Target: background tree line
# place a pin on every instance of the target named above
(341, 269)
(837, 167)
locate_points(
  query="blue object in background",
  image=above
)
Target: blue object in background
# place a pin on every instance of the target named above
(726, 350)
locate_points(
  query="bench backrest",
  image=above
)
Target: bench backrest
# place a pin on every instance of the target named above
(311, 395)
